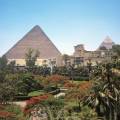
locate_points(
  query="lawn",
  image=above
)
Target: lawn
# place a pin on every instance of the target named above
(36, 93)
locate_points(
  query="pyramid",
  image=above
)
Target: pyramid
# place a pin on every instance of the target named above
(107, 43)
(35, 39)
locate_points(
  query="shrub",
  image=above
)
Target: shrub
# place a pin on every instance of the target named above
(57, 79)
(69, 85)
(21, 98)
(33, 101)
(6, 115)
(50, 88)
(26, 83)
(12, 112)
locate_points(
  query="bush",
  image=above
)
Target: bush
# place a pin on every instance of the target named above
(50, 88)
(12, 112)
(80, 78)
(57, 79)
(26, 83)
(88, 114)
(21, 98)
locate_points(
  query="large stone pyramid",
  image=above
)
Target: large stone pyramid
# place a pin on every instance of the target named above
(35, 39)
(107, 43)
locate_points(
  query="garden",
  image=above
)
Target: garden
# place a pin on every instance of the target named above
(67, 93)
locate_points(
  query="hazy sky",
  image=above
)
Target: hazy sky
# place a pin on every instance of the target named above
(66, 22)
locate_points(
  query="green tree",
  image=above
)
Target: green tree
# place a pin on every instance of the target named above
(3, 68)
(3, 63)
(105, 94)
(31, 58)
(7, 88)
(116, 49)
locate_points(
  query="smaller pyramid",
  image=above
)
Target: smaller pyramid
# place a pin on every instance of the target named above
(107, 43)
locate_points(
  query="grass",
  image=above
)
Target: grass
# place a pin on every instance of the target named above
(71, 103)
(36, 93)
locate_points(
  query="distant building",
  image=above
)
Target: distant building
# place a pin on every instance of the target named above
(35, 39)
(82, 56)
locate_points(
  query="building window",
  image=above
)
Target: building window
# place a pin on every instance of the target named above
(78, 60)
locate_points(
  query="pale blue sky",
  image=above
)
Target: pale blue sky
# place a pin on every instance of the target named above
(66, 22)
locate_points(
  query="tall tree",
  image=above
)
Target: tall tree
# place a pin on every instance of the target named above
(31, 58)
(116, 49)
(3, 63)
(105, 95)
(3, 68)
(116, 56)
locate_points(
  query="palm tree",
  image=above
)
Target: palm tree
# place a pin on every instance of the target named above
(105, 95)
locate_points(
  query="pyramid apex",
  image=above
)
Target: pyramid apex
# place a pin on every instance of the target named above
(36, 27)
(107, 43)
(36, 30)
(108, 40)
